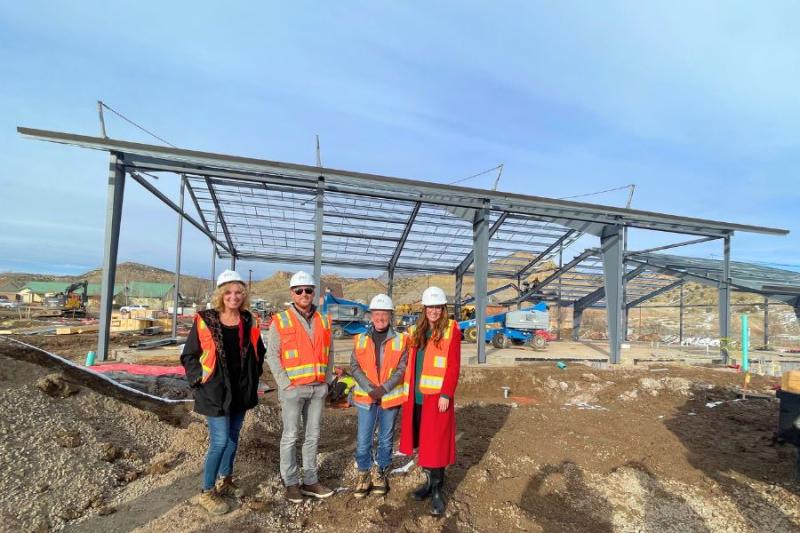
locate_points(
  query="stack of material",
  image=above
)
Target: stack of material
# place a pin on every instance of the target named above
(71, 330)
(130, 324)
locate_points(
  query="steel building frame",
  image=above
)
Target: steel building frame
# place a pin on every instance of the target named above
(291, 213)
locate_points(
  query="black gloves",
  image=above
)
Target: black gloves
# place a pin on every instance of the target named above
(377, 393)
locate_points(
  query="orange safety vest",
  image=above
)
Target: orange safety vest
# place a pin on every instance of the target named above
(435, 364)
(208, 359)
(304, 359)
(366, 356)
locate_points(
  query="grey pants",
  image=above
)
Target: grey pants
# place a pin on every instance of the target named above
(306, 401)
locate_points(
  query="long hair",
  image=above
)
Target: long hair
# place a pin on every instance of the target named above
(418, 337)
(219, 292)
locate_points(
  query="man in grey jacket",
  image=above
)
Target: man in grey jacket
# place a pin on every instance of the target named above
(300, 400)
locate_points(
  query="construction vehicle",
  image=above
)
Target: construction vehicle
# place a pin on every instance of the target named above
(527, 326)
(69, 302)
(348, 317)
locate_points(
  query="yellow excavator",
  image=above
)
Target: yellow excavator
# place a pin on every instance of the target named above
(72, 301)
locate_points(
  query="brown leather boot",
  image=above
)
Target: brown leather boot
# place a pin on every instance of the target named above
(380, 482)
(226, 487)
(363, 484)
(212, 502)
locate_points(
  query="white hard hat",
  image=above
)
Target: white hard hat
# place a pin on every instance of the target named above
(301, 279)
(433, 296)
(381, 302)
(228, 276)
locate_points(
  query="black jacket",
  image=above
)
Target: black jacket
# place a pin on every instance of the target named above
(213, 398)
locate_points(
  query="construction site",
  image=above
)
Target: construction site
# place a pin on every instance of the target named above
(603, 388)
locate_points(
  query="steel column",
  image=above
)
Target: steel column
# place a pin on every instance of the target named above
(577, 315)
(725, 301)
(116, 190)
(560, 293)
(458, 296)
(480, 235)
(766, 322)
(319, 214)
(178, 262)
(611, 247)
(390, 282)
(680, 318)
(214, 257)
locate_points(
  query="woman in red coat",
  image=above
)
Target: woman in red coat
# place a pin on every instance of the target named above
(428, 418)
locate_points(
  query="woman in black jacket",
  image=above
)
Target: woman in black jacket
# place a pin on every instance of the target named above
(224, 358)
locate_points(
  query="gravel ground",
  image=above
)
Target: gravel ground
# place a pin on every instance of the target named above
(573, 450)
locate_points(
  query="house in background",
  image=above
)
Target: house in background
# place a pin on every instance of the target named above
(156, 296)
(10, 289)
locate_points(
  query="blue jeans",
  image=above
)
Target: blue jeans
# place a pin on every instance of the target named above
(368, 417)
(223, 433)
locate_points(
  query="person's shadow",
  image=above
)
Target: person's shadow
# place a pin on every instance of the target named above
(476, 427)
(577, 508)
(733, 444)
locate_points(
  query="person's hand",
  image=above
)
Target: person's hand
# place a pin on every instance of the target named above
(377, 393)
(444, 403)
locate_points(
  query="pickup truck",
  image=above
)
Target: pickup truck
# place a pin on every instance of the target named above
(126, 309)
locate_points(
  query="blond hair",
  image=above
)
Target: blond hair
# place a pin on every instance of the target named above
(219, 292)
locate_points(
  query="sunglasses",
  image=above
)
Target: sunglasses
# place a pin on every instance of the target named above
(307, 290)
(440, 307)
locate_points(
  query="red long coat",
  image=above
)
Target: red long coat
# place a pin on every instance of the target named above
(437, 435)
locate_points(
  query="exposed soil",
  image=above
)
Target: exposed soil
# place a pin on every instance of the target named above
(578, 449)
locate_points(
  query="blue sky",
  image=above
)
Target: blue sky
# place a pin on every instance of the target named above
(694, 102)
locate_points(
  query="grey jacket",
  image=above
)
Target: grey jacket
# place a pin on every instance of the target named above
(274, 353)
(396, 377)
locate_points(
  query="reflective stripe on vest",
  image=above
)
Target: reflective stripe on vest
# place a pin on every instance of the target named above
(208, 359)
(305, 359)
(434, 366)
(366, 356)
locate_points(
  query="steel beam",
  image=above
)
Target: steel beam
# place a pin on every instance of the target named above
(406, 230)
(611, 247)
(556, 244)
(566, 268)
(725, 301)
(650, 295)
(178, 263)
(668, 246)
(230, 248)
(116, 190)
(190, 161)
(172, 205)
(480, 232)
(600, 293)
(465, 264)
(319, 222)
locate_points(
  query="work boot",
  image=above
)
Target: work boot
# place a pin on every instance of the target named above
(380, 483)
(437, 482)
(211, 502)
(226, 487)
(363, 485)
(293, 494)
(316, 490)
(424, 490)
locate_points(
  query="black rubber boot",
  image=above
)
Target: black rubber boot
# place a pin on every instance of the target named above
(424, 490)
(437, 483)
